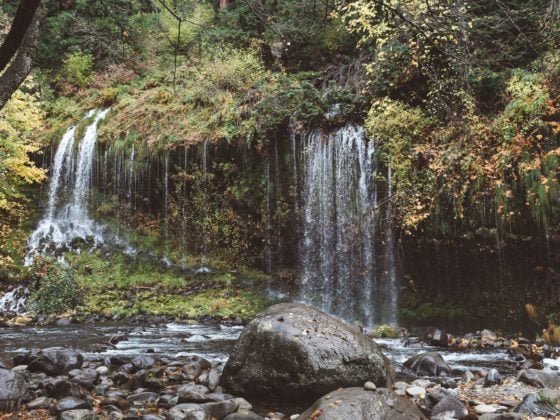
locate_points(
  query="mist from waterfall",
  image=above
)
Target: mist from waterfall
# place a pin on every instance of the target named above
(66, 218)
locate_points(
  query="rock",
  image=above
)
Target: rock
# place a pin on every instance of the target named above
(416, 391)
(428, 364)
(293, 351)
(493, 377)
(439, 338)
(188, 412)
(143, 362)
(118, 402)
(501, 416)
(539, 378)
(370, 386)
(41, 402)
(102, 370)
(357, 403)
(195, 366)
(142, 398)
(78, 415)
(213, 379)
(192, 393)
(551, 395)
(468, 376)
(13, 387)
(55, 362)
(221, 409)
(488, 408)
(71, 403)
(60, 386)
(488, 335)
(531, 406)
(86, 378)
(449, 407)
(243, 416)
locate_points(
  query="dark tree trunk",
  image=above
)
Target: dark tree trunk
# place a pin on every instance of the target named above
(22, 22)
(21, 65)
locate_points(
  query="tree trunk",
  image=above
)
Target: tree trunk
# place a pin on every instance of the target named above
(23, 19)
(20, 67)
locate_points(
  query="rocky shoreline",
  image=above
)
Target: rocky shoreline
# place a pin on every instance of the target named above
(290, 353)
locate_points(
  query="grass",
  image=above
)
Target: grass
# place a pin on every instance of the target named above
(117, 285)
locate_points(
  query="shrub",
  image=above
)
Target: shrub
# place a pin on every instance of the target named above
(56, 287)
(77, 68)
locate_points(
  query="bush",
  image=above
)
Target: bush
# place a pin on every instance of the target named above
(56, 287)
(77, 68)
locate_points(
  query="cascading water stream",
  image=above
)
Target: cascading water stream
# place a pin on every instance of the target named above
(341, 271)
(67, 216)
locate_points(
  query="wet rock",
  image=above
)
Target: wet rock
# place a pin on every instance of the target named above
(468, 376)
(118, 402)
(218, 396)
(488, 335)
(439, 338)
(114, 361)
(192, 393)
(13, 387)
(488, 408)
(532, 407)
(143, 398)
(221, 409)
(428, 364)
(41, 402)
(449, 407)
(71, 403)
(78, 415)
(188, 412)
(127, 368)
(102, 370)
(86, 378)
(55, 362)
(539, 378)
(60, 386)
(294, 351)
(213, 379)
(357, 403)
(501, 416)
(196, 365)
(243, 416)
(493, 377)
(143, 362)
(416, 391)
(152, 417)
(119, 377)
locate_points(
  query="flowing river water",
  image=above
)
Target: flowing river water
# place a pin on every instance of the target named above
(211, 341)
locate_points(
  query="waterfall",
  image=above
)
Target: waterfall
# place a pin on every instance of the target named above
(339, 204)
(14, 301)
(67, 218)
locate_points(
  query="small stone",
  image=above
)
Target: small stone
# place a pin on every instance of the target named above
(468, 376)
(370, 386)
(41, 402)
(416, 391)
(486, 408)
(71, 403)
(82, 414)
(102, 370)
(493, 377)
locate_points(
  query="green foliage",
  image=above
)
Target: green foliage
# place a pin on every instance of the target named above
(56, 287)
(385, 331)
(77, 68)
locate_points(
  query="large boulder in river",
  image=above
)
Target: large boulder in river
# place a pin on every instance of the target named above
(428, 364)
(13, 387)
(361, 404)
(294, 351)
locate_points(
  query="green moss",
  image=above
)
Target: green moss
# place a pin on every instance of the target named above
(430, 311)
